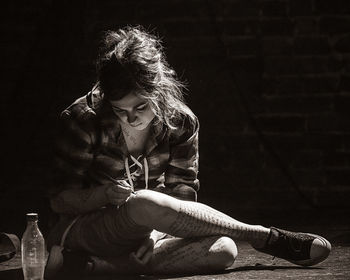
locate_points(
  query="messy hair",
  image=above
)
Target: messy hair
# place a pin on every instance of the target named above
(132, 60)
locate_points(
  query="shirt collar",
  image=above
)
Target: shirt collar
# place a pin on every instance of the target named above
(111, 124)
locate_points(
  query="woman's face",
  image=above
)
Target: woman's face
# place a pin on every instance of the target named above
(133, 110)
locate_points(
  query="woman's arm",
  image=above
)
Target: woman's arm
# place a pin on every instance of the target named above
(70, 193)
(78, 201)
(182, 171)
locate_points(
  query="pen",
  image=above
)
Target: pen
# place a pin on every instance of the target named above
(116, 181)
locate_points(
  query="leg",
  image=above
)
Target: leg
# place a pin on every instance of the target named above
(190, 219)
(106, 233)
(193, 255)
(176, 256)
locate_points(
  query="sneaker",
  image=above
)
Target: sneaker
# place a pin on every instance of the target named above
(62, 261)
(299, 248)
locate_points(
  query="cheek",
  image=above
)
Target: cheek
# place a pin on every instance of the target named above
(147, 116)
(121, 117)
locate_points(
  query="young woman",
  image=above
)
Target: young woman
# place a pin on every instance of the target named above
(126, 166)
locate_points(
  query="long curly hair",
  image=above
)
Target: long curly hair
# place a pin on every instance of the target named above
(132, 60)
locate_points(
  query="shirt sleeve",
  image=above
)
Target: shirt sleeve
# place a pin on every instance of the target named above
(182, 171)
(73, 153)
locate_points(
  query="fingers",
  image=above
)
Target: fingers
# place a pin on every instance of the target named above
(121, 189)
(135, 259)
(124, 183)
(144, 254)
(147, 257)
(118, 194)
(117, 202)
(140, 252)
(123, 195)
(143, 261)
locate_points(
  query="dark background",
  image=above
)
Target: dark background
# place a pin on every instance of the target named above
(268, 79)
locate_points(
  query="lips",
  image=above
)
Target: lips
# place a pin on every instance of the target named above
(135, 125)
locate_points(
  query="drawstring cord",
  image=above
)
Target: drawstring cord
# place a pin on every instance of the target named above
(139, 164)
(145, 163)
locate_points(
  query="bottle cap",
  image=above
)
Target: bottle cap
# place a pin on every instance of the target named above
(32, 217)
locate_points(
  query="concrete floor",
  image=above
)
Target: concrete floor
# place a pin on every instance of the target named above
(250, 264)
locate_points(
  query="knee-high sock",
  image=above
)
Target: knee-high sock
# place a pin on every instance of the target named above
(197, 219)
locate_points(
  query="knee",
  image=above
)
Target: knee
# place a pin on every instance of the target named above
(145, 205)
(224, 252)
(140, 203)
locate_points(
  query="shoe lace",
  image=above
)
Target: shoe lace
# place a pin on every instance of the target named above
(290, 243)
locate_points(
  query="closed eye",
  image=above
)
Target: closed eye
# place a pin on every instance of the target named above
(142, 107)
(117, 110)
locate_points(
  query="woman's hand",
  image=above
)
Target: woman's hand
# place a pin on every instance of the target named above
(118, 193)
(144, 253)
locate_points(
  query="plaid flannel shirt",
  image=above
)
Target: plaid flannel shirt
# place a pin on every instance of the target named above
(91, 150)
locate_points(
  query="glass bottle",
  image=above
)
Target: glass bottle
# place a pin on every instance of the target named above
(33, 250)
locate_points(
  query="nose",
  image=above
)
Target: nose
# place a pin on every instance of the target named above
(131, 117)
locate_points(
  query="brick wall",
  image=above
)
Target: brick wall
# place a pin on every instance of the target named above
(269, 80)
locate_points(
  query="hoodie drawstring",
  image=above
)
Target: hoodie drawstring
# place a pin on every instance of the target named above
(139, 164)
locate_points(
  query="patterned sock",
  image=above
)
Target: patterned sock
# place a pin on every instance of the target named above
(197, 219)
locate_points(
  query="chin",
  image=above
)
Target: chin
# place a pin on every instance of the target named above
(140, 126)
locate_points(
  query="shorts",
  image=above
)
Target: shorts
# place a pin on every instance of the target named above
(107, 232)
